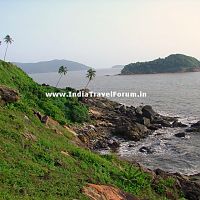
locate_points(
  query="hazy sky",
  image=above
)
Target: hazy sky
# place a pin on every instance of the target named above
(100, 33)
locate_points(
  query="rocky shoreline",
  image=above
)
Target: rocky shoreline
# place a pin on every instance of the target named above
(111, 121)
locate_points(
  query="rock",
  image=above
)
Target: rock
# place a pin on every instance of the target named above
(65, 153)
(178, 124)
(45, 85)
(30, 137)
(146, 150)
(122, 109)
(45, 119)
(181, 135)
(113, 143)
(131, 131)
(146, 121)
(138, 110)
(196, 125)
(83, 138)
(162, 122)
(148, 112)
(38, 114)
(101, 144)
(190, 189)
(105, 192)
(8, 95)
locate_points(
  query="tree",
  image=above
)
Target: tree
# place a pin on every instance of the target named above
(62, 71)
(90, 75)
(8, 40)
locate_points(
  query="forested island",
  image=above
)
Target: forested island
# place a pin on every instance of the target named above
(172, 64)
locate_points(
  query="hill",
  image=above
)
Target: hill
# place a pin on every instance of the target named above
(41, 160)
(50, 66)
(171, 64)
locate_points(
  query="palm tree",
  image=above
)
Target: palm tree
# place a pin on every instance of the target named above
(90, 75)
(62, 71)
(8, 40)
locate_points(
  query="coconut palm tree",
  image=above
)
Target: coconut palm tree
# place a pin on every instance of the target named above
(8, 40)
(90, 75)
(62, 71)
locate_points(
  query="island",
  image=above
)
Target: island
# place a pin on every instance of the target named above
(174, 63)
(50, 66)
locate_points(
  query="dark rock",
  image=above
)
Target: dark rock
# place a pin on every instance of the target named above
(190, 189)
(45, 85)
(122, 109)
(196, 125)
(181, 135)
(148, 112)
(132, 131)
(155, 127)
(45, 119)
(146, 150)
(162, 122)
(178, 124)
(101, 144)
(113, 143)
(38, 114)
(8, 95)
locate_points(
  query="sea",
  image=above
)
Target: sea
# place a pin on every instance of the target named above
(172, 94)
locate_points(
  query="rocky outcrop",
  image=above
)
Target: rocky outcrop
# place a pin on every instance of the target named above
(110, 119)
(8, 95)
(190, 188)
(194, 127)
(105, 192)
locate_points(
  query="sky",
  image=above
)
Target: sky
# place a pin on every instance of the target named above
(99, 33)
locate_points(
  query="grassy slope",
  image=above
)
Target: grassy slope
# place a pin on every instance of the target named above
(38, 170)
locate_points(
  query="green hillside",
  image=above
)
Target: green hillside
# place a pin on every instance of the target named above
(39, 161)
(171, 64)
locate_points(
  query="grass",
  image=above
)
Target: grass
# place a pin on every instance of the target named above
(64, 110)
(49, 164)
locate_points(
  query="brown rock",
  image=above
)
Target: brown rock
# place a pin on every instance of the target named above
(8, 95)
(104, 192)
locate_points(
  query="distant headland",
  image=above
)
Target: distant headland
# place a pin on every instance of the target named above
(174, 63)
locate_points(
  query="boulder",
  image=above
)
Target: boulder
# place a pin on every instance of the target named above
(180, 135)
(8, 95)
(138, 110)
(146, 121)
(131, 131)
(146, 150)
(178, 124)
(148, 112)
(105, 192)
(196, 125)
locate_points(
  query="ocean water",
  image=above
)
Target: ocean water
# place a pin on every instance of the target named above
(170, 94)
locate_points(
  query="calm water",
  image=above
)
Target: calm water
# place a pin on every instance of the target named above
(170, 94)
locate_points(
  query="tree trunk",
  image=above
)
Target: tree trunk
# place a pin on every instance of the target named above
(87, 85)
(5, 52)
(59, 80)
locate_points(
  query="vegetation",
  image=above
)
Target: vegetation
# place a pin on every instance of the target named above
(90, 75)
(64, 110)
(8, 40)
(39, 161)
(62, 71)
(172, 63)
